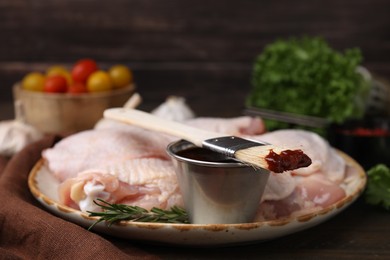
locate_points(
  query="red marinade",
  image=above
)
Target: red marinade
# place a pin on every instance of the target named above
(287, 160)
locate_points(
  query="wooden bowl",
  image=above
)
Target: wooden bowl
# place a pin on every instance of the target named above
(66, 113)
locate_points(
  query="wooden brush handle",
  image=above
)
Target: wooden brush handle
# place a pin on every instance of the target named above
(152, 122)
(254, 155)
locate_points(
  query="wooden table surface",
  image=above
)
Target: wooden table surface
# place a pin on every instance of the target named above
(203, 51)
(359, 232)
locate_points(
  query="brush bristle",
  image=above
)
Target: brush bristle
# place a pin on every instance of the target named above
(273, 158)
(255, 156)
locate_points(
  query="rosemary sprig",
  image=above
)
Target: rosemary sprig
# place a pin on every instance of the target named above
(116, 212)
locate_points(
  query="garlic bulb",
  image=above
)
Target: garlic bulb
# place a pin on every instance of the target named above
(174, 108)
(15, 135)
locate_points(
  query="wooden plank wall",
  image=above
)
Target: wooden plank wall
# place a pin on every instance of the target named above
(200, 49)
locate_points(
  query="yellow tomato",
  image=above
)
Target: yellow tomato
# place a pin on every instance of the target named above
(59, 70)
(120, 75)
(99, 81)
(33, 81)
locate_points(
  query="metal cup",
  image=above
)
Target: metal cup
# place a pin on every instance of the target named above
(217, 190)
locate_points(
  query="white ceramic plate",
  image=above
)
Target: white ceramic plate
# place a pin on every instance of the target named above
(44, 188)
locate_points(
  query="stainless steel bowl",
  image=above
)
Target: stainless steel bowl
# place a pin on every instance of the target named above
(216, 189)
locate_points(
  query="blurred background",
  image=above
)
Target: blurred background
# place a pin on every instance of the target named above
(197, 49)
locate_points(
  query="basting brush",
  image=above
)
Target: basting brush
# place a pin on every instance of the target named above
(257, 154)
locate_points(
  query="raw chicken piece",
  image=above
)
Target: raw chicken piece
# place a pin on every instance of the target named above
(311, 193)
(150, 173)
(100, 148)
(79, 192)
(279, 186)
(303, 190)
(319, 190)
(323, 156)
(145, 182)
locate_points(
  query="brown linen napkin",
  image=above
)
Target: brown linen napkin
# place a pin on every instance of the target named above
(27, 231)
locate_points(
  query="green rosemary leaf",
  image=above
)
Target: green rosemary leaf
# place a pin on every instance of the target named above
(112, 213)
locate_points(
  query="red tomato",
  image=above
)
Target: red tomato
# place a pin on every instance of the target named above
(55, 84)
(77, 88)
(82, 69)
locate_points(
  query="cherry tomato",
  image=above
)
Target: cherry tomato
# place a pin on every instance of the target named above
(33, 81)
(60, 70)
(83, 69)
(77, 88)
(55, 84)
(99, 81)
(120, 75)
